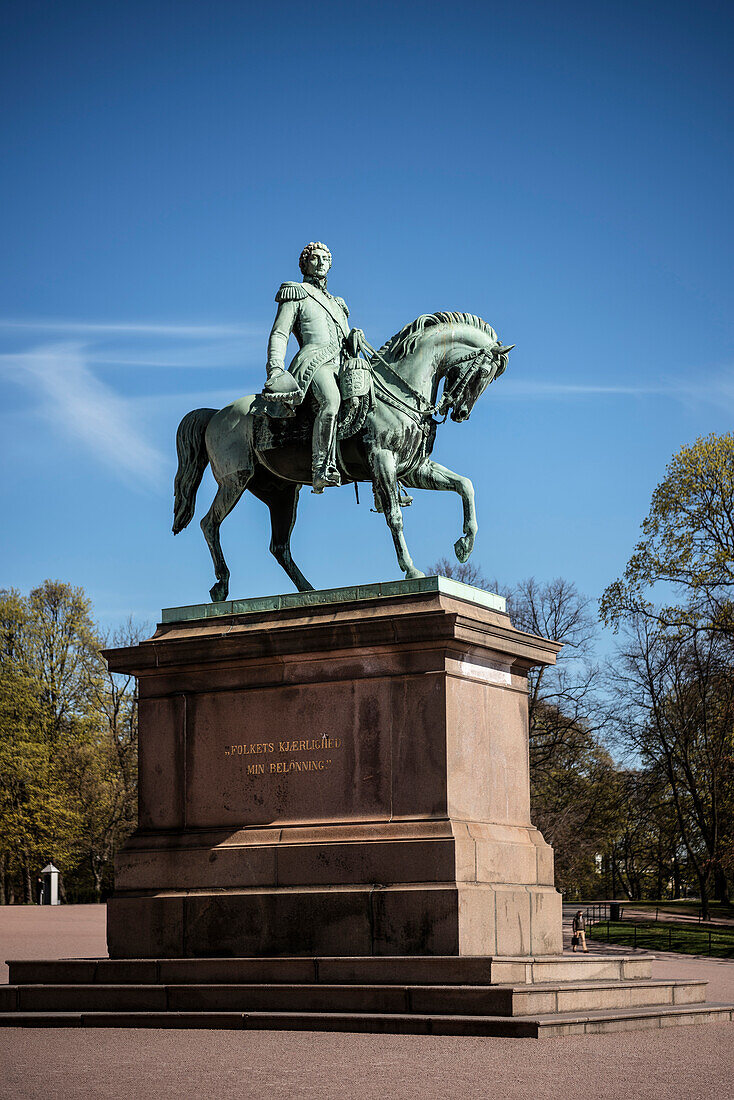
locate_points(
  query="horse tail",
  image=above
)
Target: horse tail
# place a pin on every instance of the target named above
(192, 461)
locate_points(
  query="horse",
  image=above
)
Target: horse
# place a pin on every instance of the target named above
(390, 448)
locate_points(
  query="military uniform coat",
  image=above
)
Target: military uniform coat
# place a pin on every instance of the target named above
(319, 323)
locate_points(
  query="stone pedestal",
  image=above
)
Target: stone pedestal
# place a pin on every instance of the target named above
(338, 773)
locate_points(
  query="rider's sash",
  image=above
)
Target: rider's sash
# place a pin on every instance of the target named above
(332, 308)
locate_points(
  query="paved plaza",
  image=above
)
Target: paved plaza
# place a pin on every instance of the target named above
(684, 1062)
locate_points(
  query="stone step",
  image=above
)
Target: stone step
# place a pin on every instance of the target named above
(476, 1000)
(393, 1023)
(384, 970)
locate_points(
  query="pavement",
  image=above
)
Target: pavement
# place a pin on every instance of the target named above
(688, 1063)
(51, 932)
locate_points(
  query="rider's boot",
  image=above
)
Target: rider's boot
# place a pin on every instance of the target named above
(325, 470)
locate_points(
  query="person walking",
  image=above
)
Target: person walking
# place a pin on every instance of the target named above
(579, 932)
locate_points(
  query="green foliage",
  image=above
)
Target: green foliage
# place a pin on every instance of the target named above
(688, 541)
(672, 681)
(68, 742)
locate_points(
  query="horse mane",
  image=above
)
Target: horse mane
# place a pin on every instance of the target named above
(403, 342)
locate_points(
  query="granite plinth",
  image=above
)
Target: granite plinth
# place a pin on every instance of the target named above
(340, 776)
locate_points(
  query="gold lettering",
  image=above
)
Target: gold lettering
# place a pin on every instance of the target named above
(285, 767)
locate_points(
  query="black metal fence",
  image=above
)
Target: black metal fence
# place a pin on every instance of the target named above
(597, 913)
(688, 941)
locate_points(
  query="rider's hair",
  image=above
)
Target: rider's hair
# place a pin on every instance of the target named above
(311, 247)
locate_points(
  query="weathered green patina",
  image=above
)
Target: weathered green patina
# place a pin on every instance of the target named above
(333, 418)
(381, 590)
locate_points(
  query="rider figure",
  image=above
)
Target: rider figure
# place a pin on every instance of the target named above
(318, 320)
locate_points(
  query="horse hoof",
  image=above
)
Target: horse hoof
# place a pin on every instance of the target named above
(414, 575)
(463, 548)
(219, 592)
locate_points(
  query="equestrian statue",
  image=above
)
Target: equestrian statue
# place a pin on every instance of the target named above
(341, 413)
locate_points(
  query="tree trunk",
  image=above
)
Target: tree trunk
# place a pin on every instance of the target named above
(96, 871)
(659, 884)
(703, 887)
(27, 883)
(3, 880)
(721, 885)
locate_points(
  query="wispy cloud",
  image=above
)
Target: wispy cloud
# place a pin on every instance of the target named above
(129, 328)
(213, 354)
(534, 388)
(709, 388)
(78, 404)
(73, 376)
(116, 344)
(68, 379)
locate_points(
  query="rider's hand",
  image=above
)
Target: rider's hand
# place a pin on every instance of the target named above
(356, 341)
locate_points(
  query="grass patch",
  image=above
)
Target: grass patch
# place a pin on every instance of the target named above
(683, 938)
(690, 906)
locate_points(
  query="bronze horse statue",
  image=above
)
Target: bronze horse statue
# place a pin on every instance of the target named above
(389, 442)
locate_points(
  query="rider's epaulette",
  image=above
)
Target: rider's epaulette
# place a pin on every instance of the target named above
(290, 292)
(343, 304)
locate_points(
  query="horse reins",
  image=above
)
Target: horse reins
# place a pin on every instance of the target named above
(391, 398)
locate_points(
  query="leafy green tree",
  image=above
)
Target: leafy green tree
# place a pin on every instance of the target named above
(68, 741)
(673, 678)
(36, 818)
(687, 544)
(102, 770)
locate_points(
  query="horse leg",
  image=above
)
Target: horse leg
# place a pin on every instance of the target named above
(384, 479)
(229, 492)
(430, 475)
(283, 505)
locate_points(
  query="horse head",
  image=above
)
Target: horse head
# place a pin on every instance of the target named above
(468, 376)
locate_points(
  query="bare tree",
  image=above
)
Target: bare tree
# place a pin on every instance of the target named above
(674, 696)
(562, 697)
(466, 572)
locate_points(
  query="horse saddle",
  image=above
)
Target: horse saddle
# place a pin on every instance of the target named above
(294, 426)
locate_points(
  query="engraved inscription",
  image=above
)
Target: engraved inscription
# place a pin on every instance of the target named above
(289, 748)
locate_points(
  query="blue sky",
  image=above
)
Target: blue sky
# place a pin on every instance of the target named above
(563, 170)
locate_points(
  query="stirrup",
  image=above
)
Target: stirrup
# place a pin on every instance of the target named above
(404, 500)
(325, 478)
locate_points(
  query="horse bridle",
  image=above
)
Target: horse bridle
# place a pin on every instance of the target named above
(452, 396)
(422, 416)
